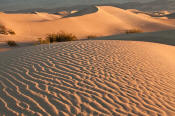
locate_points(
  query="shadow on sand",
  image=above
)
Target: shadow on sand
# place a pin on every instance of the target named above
(162, 37)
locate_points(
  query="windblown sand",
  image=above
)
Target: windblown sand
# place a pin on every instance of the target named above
(105, 77)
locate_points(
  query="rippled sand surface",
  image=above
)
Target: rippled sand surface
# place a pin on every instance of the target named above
(105, 77)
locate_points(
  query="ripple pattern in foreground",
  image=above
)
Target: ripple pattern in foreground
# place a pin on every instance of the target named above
(88, 78)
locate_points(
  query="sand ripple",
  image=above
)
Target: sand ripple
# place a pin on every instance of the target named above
(88, 78)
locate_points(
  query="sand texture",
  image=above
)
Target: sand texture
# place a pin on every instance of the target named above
(99, 77)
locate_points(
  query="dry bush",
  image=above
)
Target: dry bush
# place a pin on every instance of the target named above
(5, 31)
(57, 37)
(60, 37)
(11, 43)
(91, 36)
(130, 31)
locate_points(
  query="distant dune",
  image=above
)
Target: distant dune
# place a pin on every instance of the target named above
(154, 5)
(45, 5)
(99, 77)
(105, 21)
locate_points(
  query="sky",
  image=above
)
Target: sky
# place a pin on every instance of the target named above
(28, 4)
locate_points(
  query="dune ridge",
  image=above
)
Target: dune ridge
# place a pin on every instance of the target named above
(99, 77)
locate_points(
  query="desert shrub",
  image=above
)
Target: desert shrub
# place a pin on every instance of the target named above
(91, 36)
(5, 31)
(56, 37)
(2, 27)
(130, 31)
(60, 37)
(11, 43)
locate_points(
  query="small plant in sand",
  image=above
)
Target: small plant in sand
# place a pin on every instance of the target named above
(130, 31)
(60, 37)
(57, 37)
(91, 36)
(5, 31)
(11, 43)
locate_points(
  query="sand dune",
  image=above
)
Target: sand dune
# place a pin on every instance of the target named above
(106, 21)
(105, 77)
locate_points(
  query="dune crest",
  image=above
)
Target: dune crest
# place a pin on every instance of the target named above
(88, 78)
